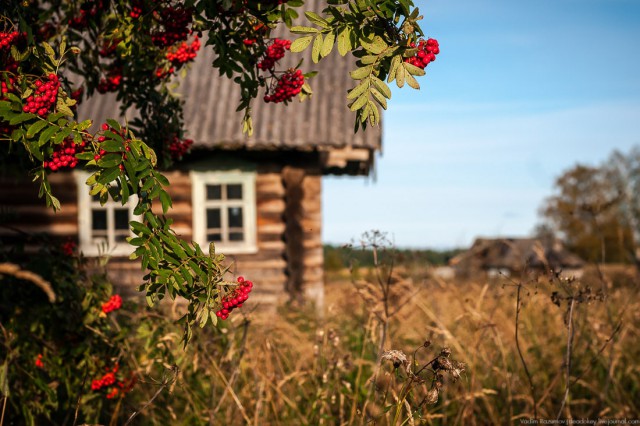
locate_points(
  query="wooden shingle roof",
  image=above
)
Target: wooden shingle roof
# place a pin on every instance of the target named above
(321, 123)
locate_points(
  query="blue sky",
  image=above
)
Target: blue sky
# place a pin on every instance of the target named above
(521, 91)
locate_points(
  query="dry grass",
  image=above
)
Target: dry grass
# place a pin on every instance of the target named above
(293, 368)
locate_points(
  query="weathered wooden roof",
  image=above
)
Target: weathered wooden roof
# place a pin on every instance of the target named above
(515, 254)
(321, 123)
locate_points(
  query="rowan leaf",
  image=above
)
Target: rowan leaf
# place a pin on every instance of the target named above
(300, 44)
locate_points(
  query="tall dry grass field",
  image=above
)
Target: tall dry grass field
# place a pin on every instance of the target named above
(576, 356)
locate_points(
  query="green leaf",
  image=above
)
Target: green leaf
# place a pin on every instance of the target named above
(139, 228)
(87, 155)
(411, 80)
(317, 47)
(304, 30)
(64, 109)
(49, 50)
(109, 134)
(369, 59)
(327, 45)
(21, 118)
(111, 145)
(381, 86)
(301, 43)
(361, 73)
(412, 69)
(61, 135)
(376, 47)
(400, 76)
(205, 317)
(113, 123)
(359, 102)
(165, 200)
(108, 175)
(358, 90)
(35, 128)
(316, 19)
(393, 68)
(84, 125)
(46, 136)
(110, 160)
(344, 46)
(379, 97)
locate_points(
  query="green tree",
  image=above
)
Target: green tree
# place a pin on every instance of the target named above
(585, 212)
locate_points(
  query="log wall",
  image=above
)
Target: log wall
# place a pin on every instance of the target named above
(289, 261)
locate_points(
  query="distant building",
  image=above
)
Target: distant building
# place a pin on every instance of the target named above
(515, 256)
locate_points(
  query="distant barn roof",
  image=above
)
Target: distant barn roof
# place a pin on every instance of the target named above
(320, 123)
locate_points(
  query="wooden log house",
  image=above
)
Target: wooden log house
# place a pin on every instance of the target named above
(258, 198)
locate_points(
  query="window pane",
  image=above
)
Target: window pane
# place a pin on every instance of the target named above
(213, 218)
(236, 236)
(214, 192)
(214, 237)
(234, 192)
(122, 218)
(235, 217)
(99, 219)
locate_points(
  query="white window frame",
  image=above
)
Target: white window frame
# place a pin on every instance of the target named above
(199, 202)
(88, 245)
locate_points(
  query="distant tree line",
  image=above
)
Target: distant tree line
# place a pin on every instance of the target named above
(338, 257)
(596, 209)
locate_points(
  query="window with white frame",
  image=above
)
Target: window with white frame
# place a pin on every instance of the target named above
(224, 210)
(103, 229)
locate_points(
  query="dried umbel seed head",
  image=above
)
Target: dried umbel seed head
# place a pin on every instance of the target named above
(457, 370)
(398, 358)
(432, 396)
(426, 343)
(446, 352)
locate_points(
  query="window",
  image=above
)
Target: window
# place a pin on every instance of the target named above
(103, 229)
(224, 210)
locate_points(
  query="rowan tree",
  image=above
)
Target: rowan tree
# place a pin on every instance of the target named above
(56, 53)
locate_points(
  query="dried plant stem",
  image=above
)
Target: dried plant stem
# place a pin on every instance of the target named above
(234, 375)
(16, 271)
(4, 406)
(524, 363)
(570, 333)
(165, 383)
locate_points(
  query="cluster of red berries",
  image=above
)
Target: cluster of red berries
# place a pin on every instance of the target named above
(77, 94)
(122, 387)
(136, 11)
(275, 52)
(109, 47)
(7, 39)
(111, 83)
(39, 362)
(6, 88)
(45, 96)
(289, 85)
(64, 155)
(89, 9)
(68, 247)
(427, 51)
(184, 53)
(179, 147)
(106, 380)
(164, 72)
(113, 304)
(249, 41)
(235, 299)
(175, 21)
(109, 379)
